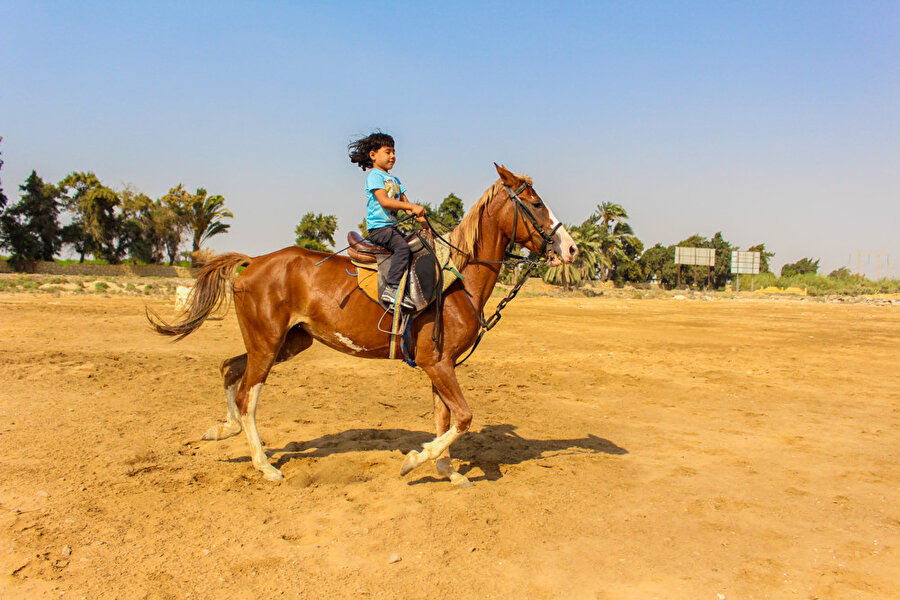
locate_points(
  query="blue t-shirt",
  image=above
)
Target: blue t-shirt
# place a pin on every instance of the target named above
(377, 216)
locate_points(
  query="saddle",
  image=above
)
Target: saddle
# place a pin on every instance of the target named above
(429, 273)
(364, 251)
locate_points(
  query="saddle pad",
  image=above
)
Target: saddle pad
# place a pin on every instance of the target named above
(367, 279)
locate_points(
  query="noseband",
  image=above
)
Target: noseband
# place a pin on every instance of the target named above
(518, 205)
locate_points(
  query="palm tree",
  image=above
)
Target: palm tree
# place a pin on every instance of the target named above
(205, 216)
(586, 236)
(615, 233)
(198, 212)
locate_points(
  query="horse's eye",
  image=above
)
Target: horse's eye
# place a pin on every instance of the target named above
(537, 204)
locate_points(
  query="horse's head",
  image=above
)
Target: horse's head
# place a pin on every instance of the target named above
(528, 221)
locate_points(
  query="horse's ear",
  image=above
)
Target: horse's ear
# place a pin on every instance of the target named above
(506, 176)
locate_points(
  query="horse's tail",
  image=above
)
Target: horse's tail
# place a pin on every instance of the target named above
(207, 295)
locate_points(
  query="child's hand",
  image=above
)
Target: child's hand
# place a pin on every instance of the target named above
(419, 211)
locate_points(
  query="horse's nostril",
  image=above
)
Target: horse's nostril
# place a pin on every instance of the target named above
(573, 250)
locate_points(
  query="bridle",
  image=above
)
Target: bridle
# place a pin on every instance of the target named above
(518, 206)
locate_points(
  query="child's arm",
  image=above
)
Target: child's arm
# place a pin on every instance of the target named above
(402, 204)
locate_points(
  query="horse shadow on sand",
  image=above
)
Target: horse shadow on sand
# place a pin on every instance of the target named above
(489, 449)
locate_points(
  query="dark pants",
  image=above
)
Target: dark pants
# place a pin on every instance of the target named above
(391, 238)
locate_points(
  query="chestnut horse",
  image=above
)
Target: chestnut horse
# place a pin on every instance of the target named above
(285, 300)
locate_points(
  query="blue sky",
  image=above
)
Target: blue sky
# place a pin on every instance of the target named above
(775, 122)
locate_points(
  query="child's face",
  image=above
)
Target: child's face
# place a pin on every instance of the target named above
(383, 158)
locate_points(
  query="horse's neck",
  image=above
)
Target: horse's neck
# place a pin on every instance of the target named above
(480, 275)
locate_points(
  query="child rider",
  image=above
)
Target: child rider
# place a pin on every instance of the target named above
(385, 195)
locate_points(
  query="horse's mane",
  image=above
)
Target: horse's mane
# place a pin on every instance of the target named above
(466, 234)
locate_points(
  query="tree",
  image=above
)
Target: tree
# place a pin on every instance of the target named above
(99, 226)
(174, 219)
(588, 239)
(444, 219)
(449, 214)
(842, 274)
(199, 213)
(801, 267)
(721, 272)
(75, 235)
(614, 234)
(30, 228)
(627, 266)
(658, 263)
(2, 195)
(763, 256)
(147, 237)
(316, 232)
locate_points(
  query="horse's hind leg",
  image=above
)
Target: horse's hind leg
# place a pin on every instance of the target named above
(443, 464)
(232, 371)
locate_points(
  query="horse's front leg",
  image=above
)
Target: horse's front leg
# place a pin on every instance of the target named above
(443, 378)
(443, 464)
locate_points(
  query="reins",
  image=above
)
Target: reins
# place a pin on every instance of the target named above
(509, 258)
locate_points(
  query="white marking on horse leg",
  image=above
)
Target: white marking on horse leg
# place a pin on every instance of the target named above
(232, 424)
(257, 454)
(445, 468)
(348, 342)
(430, 450)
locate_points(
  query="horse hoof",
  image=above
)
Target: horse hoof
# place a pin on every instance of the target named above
(212, 434)
(410, 463)
(272, 474)
(444, 467)
(221, 432)
(461, 481)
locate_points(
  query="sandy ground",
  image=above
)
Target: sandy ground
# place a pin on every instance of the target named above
(621, 448)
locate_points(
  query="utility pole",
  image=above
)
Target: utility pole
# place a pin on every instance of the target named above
(877, 255)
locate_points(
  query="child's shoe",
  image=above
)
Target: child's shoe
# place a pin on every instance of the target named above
(390, 294)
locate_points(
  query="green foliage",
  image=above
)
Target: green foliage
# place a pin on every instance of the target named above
(627, 266)
(721, 272)
(449, 214)
(199, 214)
(839, 282)
(444, 219)
(613, 235)
(2, 195)
(763, 256)
(658, 263)
(98, 224)
(801, 267)
(607, 247)
(588, 239)
(316, 232)
(30, 228)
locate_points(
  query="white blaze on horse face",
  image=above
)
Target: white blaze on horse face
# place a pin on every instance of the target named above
(348, 342)
(562, 241)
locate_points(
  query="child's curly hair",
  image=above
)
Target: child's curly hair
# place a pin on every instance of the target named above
(359, 150)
